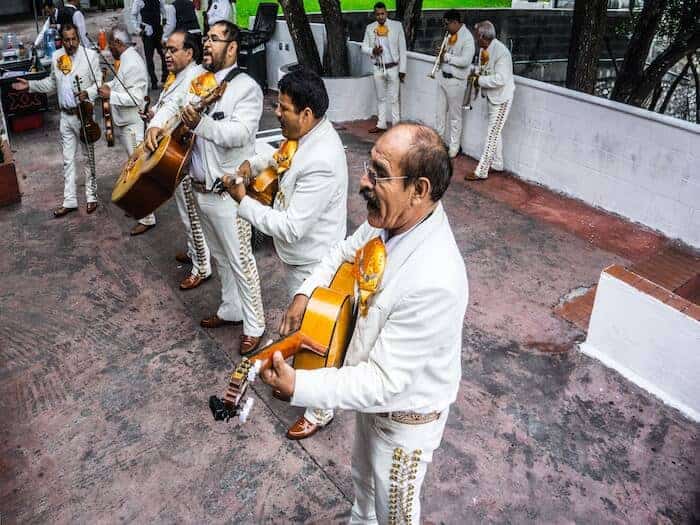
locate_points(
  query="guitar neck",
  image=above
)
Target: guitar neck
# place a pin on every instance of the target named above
(288, 346)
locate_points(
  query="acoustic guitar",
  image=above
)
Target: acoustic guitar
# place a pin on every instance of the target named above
(148, 179)
(320, 342)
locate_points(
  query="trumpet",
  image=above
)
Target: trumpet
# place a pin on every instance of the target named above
(472, 91)
(379, 61)
(438, 58)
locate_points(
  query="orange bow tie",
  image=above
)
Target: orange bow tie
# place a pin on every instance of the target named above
(169, 81)
(283, 156)
(370, 261)
(65, 64)
(484, 57)
(204, 84)
(381, 30)
(452, 40)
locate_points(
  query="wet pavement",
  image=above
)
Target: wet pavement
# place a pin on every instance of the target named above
(105, 373)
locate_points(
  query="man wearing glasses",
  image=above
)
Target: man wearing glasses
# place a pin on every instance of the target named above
(403, 364)
(224, 138)
(181, 59)
(309, 213)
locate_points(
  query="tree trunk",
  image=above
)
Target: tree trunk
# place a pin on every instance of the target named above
(338, 63)
(587, 31)
(696, 77)
(400, 9)
(674, 85)
(300, 31)
(637, 52)
(411, 20)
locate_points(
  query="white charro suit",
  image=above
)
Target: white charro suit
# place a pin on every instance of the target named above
(126, 103)
(84, 67)
(309, 214)
(405, 355)
(197, 248)
(394, 52)
(497, 84)
(225, 137)
(452, 83)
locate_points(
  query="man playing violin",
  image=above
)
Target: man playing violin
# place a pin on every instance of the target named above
(224, 138)
(309, 213)
(403, 364)
(71, 62)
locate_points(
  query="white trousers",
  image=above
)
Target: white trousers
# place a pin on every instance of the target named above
(294, 278)
(492, 156)
(389, 462)
(449, 111)
(129, 136)
(229, 242)
(197, 248)
(387, 95)
(70, 139)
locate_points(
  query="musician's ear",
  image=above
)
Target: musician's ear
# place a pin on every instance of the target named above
(421, 189)
(233, 49)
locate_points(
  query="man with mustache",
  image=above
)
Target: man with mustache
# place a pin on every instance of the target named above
(71, 62)
(403, 364)
(224, 138)
(181, 59)
(309, 213)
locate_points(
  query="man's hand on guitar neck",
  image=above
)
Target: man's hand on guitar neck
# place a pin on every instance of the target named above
(292, 317)
(152, 137)
(190, 116)
(280, 376)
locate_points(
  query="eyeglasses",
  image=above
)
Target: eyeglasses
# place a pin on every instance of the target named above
(372, 175)
(172, 50)
(214, 39)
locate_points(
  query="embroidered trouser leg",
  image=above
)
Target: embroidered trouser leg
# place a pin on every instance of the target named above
(492, 156)
(228, 237)
(130, 135)
(197, 247)
(389, 462)
(70, 141)
(449, 111)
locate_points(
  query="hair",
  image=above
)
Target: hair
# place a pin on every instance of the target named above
(379, 5)
(485, 30)
(427, 156)
(70, 27)
(120, 33)
(306, 89)
(231, 31)
(452, 15)
(190, 41)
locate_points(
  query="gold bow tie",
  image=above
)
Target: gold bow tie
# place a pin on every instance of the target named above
(370, 261)
(204, 84)
(382, 30)
(452, 40)
(65, 64)
(284, 154)
(117, 63)
(169, 80)
(484, 56)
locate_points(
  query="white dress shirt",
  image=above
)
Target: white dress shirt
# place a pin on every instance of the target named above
(64, 85)
(459, 57)
(309, 214)
(496, 79)
(405, 354)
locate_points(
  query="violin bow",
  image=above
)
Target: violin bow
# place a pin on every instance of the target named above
(114, 72)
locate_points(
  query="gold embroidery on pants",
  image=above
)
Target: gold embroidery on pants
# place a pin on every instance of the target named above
(195, 226)
(482, 169)
(249, 268)
(404, 470)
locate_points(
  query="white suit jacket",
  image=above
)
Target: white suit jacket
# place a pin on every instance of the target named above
(458, 58)
(64, 85)
(397, 41)
(179, 88)
(309, 214)
(225, 135)
(406, 353)
(496, 78)
(133, 74)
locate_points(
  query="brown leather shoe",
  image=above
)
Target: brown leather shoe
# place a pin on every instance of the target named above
(302, 429)
(91, 207)
(192, 281)
(248, 344)
(217, 322)
(61, 211)
(183, 258)
(472, 176)
(141, 228)
(375, 129)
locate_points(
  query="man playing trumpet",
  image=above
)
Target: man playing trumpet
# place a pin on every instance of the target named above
(456, 60)
(386, 44)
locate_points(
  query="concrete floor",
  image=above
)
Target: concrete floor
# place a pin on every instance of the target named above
(105, 374)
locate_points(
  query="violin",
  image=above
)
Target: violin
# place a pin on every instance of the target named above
(107, 117)
(89, 129)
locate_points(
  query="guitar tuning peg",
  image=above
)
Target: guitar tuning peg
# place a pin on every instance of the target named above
(245, 411)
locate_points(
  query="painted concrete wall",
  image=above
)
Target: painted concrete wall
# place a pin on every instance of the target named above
(649, 342)
(632, 162)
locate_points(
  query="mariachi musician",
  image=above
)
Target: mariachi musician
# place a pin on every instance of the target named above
(69, 63)
(224, 138)
(126, 93)
(181, 59)
(309, 213)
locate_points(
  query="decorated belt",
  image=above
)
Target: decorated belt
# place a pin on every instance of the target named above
(411, 418)
(200, 187)
(388, 65)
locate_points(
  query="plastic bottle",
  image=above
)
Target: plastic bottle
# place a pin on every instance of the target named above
(102, 40)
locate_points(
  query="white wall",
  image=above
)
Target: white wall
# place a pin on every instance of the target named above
(638, 164)
(650, 343)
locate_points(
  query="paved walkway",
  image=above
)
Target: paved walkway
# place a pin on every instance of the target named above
(105, 374)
